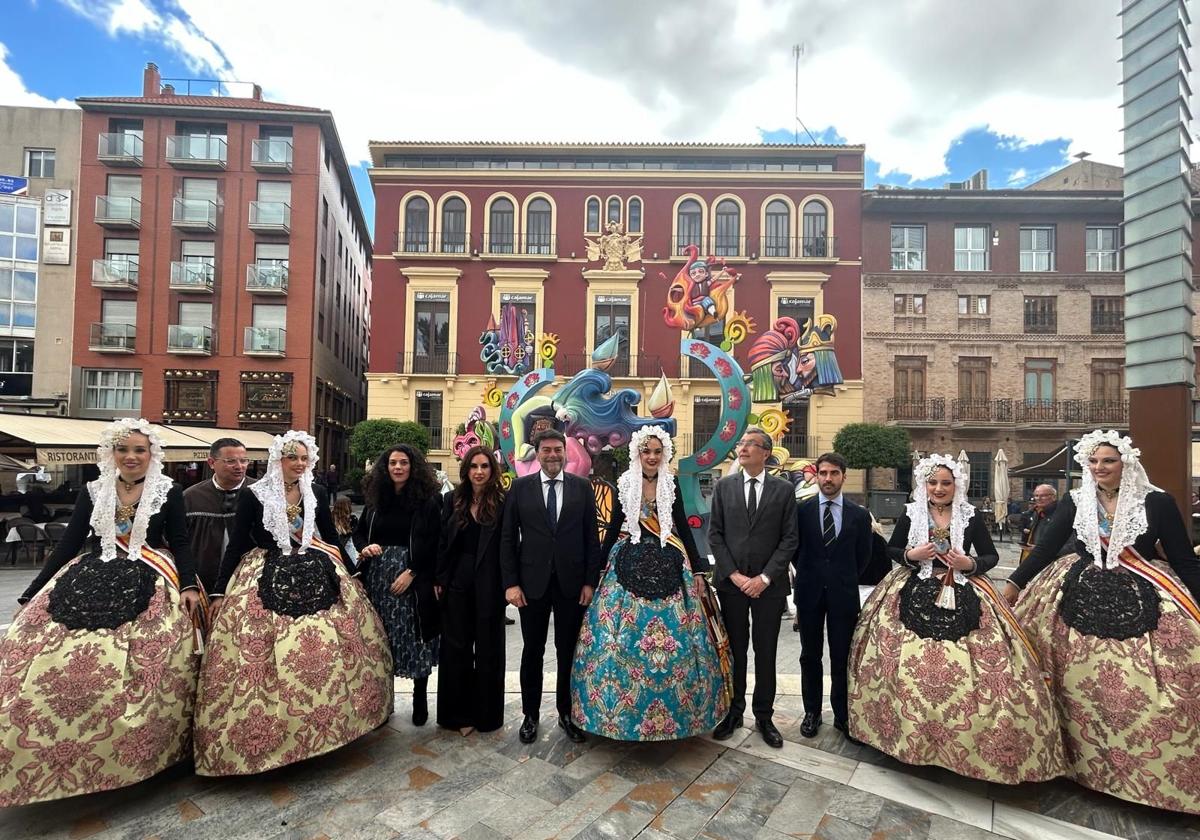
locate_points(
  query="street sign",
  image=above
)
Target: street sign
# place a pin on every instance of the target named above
(12, 185)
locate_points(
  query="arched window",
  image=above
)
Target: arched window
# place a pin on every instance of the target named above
(454, 226)
(538, 236)
(593, 215)
(777, 236)
(416, 225)
(688, 222)
(614, 210)
(816, 230)
(500, 227)
(635, 216)
(728, 230)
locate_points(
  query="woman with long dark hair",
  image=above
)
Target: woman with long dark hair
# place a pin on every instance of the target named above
(471, 681)
(398, 535)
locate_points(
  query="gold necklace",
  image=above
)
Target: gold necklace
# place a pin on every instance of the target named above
(125, 512)
(294, 510)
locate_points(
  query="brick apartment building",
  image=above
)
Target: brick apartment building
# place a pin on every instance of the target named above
(222, 275)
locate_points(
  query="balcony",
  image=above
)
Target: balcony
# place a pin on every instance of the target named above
(272, 154)
(570, 364)
(118, 211)
(264, 341)
(526, 244)
(442, 437)
(1036, 412)
(119, 275)
(1045, 323)
(818, 248)
(441, 362)
(112, 338)
(193, 277)
(197, 151)
(270, 217)
(119, 148)
(1108, 323)
(694, 369)
(1094, 412)
(189, 341)
(267, 279)
(916, 412)
(969, 412)
(194, 214)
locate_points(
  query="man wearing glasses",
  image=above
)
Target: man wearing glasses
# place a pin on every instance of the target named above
(753, 534)
(1045, 502)
(211, 506)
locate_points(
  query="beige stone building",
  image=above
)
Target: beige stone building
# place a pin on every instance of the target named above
(993, 319)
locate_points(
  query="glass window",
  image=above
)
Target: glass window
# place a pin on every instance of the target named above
(909, 381)
(432, 327)
(116, 390)
(613, 213)
(195, 314)
(980, 486)
(39, 163)
(1041, 314)
(1037, 249)
(1039, 380)
(271, 316)
(908, 247)
(18, 230)
(416, 225)
(635, 216)
(1103, 248)
(777, 236)
(1108, 314)
(500, 227)
(688, 225)
(593, 215)
(16, 367)
(816, 230)
(612, 317)
(429, 415)
(974, 374)
(454, 226)
(1108, 381)
(538, 235)
(971, 248)
(728, 233)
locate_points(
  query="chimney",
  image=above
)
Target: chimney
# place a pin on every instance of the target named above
(168, 90)
(256, 93)
(151, 80)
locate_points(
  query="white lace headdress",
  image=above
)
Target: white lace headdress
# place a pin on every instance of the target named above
(1129, 519)
(629, 485)
(104, 489)
(270, 491)
(961, 510)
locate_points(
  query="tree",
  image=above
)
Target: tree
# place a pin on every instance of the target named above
(371, 438)
(867, 445)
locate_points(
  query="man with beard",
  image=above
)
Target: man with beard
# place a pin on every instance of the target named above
(834, 550)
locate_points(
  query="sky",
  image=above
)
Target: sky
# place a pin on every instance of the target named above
(935, 89)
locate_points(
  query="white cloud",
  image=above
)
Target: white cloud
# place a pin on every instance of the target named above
(14, 92)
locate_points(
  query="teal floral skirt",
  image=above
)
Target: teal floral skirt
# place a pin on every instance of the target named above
(645, 667)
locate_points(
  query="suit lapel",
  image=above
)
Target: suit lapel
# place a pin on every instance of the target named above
(486, 532)
(739, 488)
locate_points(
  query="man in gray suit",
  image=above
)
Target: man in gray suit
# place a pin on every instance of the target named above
(753, 535)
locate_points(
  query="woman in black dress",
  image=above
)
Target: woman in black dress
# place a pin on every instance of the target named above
(398, 535)
(471, 681)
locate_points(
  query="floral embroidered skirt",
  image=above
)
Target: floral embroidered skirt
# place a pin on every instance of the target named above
(977, 705)
(645, 668)
(1130, 708)
(83, 711)
(276, 689)
(412, 656)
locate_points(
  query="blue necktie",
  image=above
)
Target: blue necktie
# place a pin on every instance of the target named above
(552, 505)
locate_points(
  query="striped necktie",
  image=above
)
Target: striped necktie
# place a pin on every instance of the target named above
(827, 529)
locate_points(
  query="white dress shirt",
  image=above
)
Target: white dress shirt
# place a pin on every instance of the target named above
(558, 491)
(758, 496)
(836, 507)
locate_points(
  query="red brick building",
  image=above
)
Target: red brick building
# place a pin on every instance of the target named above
(222, 276)
(461, 229)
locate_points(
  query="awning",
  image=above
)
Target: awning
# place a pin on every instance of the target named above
(66, 441)
(1051, 466)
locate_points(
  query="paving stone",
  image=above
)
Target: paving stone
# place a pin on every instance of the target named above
(944, 828)
(900, 822)
(623, 821)
(856, 806)
(747, 810)
(466, 812)
(479, 831)
(832, 828)
(524, 809)
(576, 813)
(802, 807)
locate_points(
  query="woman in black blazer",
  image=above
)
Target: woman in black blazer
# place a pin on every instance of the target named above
(468, 584)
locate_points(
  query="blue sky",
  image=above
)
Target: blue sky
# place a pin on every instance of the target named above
(927, 117)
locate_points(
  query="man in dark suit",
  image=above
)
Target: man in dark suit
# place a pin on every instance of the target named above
(1045, 504)
(752, 534)
(550, 563)
(835, 549)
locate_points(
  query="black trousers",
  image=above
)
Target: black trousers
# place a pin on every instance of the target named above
(752, 619)
(471, 669)
(535, 624)
(815, 611)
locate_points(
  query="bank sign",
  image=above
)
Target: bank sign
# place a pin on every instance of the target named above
(12, 185)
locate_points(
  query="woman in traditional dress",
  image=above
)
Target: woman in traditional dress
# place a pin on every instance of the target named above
(98, 669)
(1119, 629)
(471, 672)
(398, 532)
(940, 672)
(645, 666)
(297, 662)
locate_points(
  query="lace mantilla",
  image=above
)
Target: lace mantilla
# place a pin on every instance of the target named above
(273, 495)
(629, 485)
(104, 489)
(1129, 519)
(961, 510)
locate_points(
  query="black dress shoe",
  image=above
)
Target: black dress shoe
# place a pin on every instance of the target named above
(528, 731)
(770, 734)
(843, 727)
(810, 724)
(727, 727)
(573, 731)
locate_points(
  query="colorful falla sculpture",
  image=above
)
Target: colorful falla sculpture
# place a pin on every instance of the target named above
(789, 364)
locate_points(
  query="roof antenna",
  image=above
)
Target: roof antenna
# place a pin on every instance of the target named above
(797, 51)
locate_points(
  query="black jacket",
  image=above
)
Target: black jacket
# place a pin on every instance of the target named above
(166, 529)
(764, 545)
(489, 588)
(249, 533)
(977, 543)
(529, 549)
(836, 568)
(678, 519)
(1165, 526)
